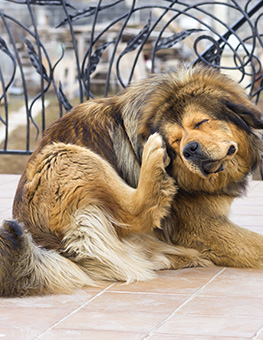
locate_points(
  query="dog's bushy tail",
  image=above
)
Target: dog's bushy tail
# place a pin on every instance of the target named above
(26, 269)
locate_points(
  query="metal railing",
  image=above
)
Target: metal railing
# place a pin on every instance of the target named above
(56, 52)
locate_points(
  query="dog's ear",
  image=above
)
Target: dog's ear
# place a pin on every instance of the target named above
(246, 116)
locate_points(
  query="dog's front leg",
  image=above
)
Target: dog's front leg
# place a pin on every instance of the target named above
(232, 246)
(223, 242)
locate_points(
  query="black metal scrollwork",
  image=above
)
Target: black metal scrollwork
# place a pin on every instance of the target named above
(103, 45)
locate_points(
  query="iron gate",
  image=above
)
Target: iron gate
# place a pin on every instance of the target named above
(67, 52)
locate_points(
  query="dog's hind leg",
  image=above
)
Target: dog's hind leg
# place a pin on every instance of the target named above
(92, 242)
(76, 195)
(156, 189)
(78, 178)
(150, 202)
(167, 256)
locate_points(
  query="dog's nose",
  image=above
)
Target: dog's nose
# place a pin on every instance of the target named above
(191, 149)
(231, 150)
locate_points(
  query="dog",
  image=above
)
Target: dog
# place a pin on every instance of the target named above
(124, 186)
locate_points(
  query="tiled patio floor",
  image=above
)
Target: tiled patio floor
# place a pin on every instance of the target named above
(191, 304)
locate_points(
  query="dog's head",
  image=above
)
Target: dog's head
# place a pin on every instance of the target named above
(208, 124)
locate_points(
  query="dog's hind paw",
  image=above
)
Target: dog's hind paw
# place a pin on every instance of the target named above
(11, 236)
(154, 152)
(13, 227)
(157, 186)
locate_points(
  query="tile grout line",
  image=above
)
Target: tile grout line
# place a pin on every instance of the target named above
(257, 334)
(183, 304)
(75, 310)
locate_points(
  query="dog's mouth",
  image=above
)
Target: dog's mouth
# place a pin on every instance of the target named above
(198, 161)
(207, 168)
(211, 167)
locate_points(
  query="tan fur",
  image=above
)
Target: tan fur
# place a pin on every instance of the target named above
(27, 269)
(121, 187)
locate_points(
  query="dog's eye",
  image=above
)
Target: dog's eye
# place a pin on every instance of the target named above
(200, 123)
(178, 140)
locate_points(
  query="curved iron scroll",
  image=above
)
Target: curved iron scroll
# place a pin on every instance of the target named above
(108, 44)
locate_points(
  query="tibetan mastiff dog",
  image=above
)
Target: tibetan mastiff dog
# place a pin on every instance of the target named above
(122, 187)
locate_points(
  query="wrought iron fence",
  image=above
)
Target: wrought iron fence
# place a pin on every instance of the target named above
(56, 52)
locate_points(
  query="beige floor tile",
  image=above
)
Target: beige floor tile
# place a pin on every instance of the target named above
(224, 306)
(8, 190)
(234, 287)
(5, 203)
(102, 285)
(246, 202)
(30, 320)
(4, 179)
(242, 210)
(211, 326)
(135, 302)
(7, 193)
(69, 334)
(5, 214)
(193, 337)
(243, 220)
(254, 184)
(18, 333)
(112, 321)
(70, 301)
(168, 285)
(256, 191)
(242, 274)
(186, 281)
(259, 335)
(258, 229)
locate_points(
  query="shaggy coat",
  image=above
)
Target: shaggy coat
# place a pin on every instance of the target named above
(122, 187)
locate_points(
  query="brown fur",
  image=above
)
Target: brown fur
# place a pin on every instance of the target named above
(121, 187)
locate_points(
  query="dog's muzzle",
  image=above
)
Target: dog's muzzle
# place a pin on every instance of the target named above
(194, 153)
